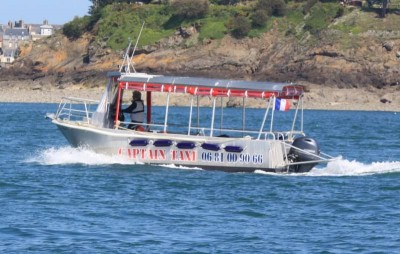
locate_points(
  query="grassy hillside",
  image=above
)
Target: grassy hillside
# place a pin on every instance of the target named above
(306, 21)
(123, 21)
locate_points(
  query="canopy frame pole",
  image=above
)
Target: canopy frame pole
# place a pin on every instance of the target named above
(302, 112)
(190, 114)
(294, 120)
(213, 118)
(166, 113)
(264, 119)
(272, 114)
(222, 116)
(116, 122)
(198, 113)
(148, 102)
(244, 116)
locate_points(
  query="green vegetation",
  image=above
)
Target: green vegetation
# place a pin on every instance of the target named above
(213, 28)
(190, 9)
(114, 21)
(119, 24)
(321, 16)
(76, 27)
(240, 26)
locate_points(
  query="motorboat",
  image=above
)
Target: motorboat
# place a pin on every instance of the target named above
(199, 137)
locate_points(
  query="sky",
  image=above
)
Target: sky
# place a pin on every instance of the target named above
(57, 12)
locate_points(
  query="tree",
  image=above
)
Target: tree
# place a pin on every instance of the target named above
(225, 2)
(190, 9)
(308, 5)
(240, 26)
(99, 4)
(259, 18)
(74, 29)
(272, 7)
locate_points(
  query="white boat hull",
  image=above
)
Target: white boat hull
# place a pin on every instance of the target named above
(163, 148)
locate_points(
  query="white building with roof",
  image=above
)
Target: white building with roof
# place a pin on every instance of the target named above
(46, 29)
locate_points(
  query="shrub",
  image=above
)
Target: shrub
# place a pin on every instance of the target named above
(278, 7)
(259, 18)
(74, 29)
(321, 15)
(272, 7)
(340, 12)
(308, 5)
(190, 9)
(240, 27)
(225, 2)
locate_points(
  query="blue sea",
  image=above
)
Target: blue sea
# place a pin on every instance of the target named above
(58, 199)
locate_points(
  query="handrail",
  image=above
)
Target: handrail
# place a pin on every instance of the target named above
(77, 99)
(73, 108)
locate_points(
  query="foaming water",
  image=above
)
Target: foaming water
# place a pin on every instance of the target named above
(343, 167)
(69, 155)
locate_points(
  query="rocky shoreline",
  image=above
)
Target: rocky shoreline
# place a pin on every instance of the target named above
(317, 97)
(364, 76)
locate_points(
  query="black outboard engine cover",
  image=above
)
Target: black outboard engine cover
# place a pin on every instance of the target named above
(308, 145)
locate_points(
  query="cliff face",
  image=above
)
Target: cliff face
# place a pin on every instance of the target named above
(277, 58)
(60, 62)
(368, 59)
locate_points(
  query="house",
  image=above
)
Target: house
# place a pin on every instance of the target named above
(15, 34)
(38, 31)
(34, 31)
(7, 57)
(46, 29)
(13, 37)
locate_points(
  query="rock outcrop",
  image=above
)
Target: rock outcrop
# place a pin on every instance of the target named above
(367, 60)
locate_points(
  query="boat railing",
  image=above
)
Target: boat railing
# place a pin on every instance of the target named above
(76, 109)
(221, 132)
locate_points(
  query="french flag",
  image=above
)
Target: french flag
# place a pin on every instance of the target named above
(282, 104)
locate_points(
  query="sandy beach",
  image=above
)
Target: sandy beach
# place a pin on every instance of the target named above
(316, 97)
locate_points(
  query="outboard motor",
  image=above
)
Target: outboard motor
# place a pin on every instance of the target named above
(311, 148)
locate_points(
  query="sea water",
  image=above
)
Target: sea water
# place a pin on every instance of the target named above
(58, 199)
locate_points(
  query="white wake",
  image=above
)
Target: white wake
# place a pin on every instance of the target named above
(69, 155)
(343, 167)
(338, 167)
